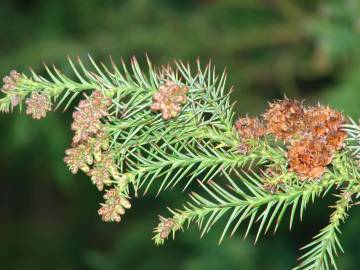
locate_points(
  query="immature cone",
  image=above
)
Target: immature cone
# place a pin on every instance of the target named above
(309, 158)
(114, 206)
(79, 157)
(93, 152)
(98, 143)
(100, 176)
(165, 227)
(284, 119)
(244, 148)
(107, 161)
(87, 116)
(169, 98)
(86, 153)
(104, 170)
(38, 105)
(10, 81)
(325, 123)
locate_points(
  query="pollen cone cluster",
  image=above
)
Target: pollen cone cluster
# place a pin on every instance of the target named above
(88, 114)
(169, 99)
(114, 206)
(79, 157)
(90, 146)
(37, 105)
(9, 88)
(311, 135)
(90, 153)
(11, 81)
(104, 170)
(93, 158)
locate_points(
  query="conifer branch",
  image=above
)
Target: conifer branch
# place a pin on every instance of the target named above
(325, 246)
(250, 202)
(139, 131)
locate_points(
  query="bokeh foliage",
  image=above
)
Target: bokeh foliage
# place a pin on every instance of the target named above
(304, 49)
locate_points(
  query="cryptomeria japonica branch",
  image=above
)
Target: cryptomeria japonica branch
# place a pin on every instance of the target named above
(135, 132)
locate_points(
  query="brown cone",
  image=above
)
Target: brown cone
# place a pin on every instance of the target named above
(309, 158)
(284, 119)
(250, 128)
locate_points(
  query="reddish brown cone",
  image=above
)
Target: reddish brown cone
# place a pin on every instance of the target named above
(284, 119)
(309, 158)
(324, 124)
(250, 128)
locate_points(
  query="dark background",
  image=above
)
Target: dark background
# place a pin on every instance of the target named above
(48, 217)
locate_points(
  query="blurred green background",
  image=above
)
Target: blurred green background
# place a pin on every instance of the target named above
(48, 217)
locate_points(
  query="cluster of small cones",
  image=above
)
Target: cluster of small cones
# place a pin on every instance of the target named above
(37, 105)
(88, 115)
(311, 134)
(90, 153)
(10, 81)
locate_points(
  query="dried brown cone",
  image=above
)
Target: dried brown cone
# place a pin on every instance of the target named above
(336, 140)
(114, 206)
(169, 99)
(250, 128)
(309, 158)
(87, 116)
(325, 124)
(284, 119)
(38, 105)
